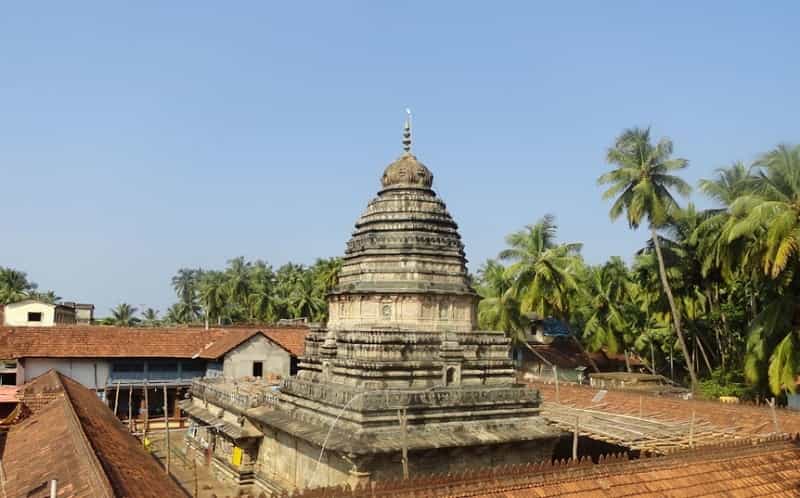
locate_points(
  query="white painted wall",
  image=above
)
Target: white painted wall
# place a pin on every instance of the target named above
(16, 314)
(239, 361)
(82, 370)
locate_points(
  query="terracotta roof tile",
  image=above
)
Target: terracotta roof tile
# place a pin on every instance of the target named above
(741, 418)
(93, 341)
(292, 340)
(76, 440)
(734, 470)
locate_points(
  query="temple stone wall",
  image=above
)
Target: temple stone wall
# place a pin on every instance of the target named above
(291, 462)
(423, 313)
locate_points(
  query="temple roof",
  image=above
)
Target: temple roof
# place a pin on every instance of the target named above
(407, 171)
(406, 240)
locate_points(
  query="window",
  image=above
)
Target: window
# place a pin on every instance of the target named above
(450, 376)
(34, 316)
(258, 369)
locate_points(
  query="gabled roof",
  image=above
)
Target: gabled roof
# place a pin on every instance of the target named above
(77, 441)
(291, 340)
(95, 341)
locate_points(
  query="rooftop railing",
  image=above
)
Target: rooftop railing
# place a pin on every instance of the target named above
(225, 392)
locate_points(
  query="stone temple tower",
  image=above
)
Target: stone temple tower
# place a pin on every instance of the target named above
(402, 344)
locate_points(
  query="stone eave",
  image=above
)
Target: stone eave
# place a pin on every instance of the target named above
(444, 435)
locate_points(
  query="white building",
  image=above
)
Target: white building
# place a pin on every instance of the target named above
(32, 313)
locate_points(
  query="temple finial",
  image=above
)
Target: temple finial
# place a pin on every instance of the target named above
(407, 131)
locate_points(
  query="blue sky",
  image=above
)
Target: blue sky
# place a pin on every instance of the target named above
(140, 137)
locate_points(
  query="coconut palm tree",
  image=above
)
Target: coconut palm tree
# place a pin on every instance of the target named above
(124, 315)
(641, 187)
(304, 301)
(609, 323)
(262, 302)
(150, 317)
(14, 286)
(213, 294)
(237, 275)
(543, 271)
(768, 220)
(498, 308)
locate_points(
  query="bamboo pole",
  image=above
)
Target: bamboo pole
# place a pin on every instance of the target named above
(575, 437)
(194, 471)
(555, 374)
(774, 416)
(691, 431)
(166, 428)
(146, 413)
(116, 400)
(130, 408)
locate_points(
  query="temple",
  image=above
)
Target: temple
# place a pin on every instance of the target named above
(400, 379)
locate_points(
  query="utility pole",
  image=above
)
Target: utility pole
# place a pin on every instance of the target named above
(166, 428)
(402, 416)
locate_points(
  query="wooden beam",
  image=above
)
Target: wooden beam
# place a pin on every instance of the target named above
(166, 427)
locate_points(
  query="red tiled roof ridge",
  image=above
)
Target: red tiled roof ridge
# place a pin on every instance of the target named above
(82, 441)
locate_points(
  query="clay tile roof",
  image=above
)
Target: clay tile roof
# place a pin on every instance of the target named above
(734, 470)
(76, 440)
(94, 341)
(290, 339)
(745, 420)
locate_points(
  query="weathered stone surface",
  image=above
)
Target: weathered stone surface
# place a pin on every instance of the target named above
(402, 336)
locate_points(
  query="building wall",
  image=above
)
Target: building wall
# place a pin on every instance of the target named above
(239, 361)
(16, 314)
(84, 315)
(92, 373)
(289, 462)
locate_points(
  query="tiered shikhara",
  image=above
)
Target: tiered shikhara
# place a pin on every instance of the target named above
(402, 335)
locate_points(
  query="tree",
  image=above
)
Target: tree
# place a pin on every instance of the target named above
(609, 301)
(150, 317)
(123, 315)
(14, 286)
(641, 184)
(185, 285)
(543, 271)
(767, 220)
(304, 300)
(262, 302)
(498, 308)
(213, 295)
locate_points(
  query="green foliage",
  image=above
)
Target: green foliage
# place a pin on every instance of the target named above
(724, 383)
(15, 287)
(252, 292)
